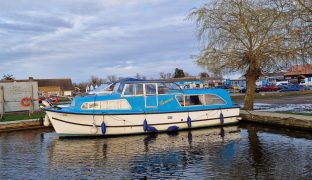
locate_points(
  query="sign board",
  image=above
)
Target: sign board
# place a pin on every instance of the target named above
(13, 92)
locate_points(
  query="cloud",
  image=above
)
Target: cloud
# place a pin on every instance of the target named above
(80, 38)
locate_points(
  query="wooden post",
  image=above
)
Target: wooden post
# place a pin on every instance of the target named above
(31, 107)
(2, 110)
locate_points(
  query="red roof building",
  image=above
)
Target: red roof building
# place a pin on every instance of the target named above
(300, 70)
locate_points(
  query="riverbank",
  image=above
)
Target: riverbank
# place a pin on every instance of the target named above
(21, 125)
(278, 119)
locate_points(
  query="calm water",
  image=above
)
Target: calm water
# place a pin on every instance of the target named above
(247, 151)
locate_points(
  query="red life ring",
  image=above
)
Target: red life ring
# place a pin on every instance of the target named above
(26, 101)
(56, 100)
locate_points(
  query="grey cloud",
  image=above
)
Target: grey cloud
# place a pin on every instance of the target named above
(83, 37)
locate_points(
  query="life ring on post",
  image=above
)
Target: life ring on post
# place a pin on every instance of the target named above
(26, 101)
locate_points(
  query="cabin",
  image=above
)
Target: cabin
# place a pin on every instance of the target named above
(149, 96)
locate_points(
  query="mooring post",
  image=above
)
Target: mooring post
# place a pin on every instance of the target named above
(1, 102)
(31, 107)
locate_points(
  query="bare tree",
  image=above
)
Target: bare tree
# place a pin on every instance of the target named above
(112, 78)
(249, 36)
(8, 77)
(96, 80)
(301, 25)
(162, 75)
(165, 75)
(80, 86)
(203, 75)
(138, 76)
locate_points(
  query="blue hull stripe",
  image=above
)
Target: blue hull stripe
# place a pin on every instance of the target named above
(181, 122)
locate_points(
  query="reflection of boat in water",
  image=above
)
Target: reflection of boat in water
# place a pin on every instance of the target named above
(134, 154)
(138, 106)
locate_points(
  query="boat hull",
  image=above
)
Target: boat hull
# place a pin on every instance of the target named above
(122, 124)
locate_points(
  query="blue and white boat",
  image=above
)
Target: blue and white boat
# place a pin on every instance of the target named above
(141, 106)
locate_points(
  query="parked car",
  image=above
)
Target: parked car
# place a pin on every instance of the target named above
(269, 88)
(243, 89)
(294, 88)
(282, 86)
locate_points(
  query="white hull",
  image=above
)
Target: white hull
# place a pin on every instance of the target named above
(77, 124)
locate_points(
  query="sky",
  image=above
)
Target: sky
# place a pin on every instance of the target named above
(79, 38)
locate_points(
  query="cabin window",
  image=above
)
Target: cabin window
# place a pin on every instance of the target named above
(194, 100)
(139, 89)
(121, 104)
(168, 88)
(133, 90)
(203, 99)
(211, 99)
(150, 89)
(163, 89)
(180, 99)
(129, 90)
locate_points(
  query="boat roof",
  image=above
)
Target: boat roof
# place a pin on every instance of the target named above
(134, 81)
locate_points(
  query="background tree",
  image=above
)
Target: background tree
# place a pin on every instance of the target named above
(81, 86)
(8, 77)
(112, 78)
(138, 76)
(94, 80)
(247, 36)
(178, 73)
(165, 75)
(301, 25)
(203, 75)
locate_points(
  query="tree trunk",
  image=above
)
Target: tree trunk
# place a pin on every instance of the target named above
(251, 77)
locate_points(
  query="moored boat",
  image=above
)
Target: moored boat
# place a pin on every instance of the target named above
(141, 106)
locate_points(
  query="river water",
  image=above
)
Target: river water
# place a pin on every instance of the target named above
(247, 151)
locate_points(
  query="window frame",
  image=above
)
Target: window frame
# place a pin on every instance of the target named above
(100, 108)
(184, 95)
(135, 90)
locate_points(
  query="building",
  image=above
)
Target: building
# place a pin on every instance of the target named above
(60, 87)
(299, 73)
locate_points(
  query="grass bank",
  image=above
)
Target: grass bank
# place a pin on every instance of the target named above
(264, 95)
(21, 116)
(294, 113)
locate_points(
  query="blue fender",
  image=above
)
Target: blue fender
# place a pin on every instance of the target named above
(189, 122)
(103, 128)
(145, 125)
(173, 128)
(151, 129)
(221, 118)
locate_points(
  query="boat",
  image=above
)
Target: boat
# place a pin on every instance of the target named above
(142, 106)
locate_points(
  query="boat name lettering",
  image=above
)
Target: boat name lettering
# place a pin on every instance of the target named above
(165, 102)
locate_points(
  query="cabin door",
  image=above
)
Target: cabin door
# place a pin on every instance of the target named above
(151, 95)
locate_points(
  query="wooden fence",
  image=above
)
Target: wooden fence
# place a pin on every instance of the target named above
(12, 93)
